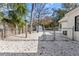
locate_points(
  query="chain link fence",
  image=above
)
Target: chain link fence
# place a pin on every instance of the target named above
(48, 33)
(59, 34)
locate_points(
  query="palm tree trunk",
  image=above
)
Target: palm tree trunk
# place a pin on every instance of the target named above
(16, 30)
(25, 30)
(22, 30)
(4, 31)
(2, 35)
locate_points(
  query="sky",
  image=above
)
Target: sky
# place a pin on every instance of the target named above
(54, 5)
(50, 5)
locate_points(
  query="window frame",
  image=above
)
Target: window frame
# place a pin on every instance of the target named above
(76, 23)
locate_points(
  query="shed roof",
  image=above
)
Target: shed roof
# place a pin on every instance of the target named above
(64, 19)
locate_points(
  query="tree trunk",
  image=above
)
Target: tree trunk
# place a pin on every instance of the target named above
(16, 30)
(26, 30)
(4, 31)
(31, 27)
(22, 30)
(2, 35)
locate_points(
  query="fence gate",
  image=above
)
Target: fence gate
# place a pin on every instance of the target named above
(56, 34)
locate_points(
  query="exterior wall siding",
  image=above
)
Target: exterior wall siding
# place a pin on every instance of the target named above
(70, 24)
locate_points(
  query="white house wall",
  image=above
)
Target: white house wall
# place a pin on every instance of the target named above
(70, 23)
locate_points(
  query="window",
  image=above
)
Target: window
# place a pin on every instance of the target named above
(77, 23)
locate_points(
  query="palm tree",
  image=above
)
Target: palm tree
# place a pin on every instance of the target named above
(15, 14)
(21, 25)
(5, 21)
(13, 18)
(19, 11)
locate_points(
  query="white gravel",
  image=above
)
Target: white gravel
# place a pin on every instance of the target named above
(39, 44)
(20, 44)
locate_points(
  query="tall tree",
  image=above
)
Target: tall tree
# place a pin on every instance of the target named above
(16, 12)
(20, 10)
(31, 21)
(58, 14)
(40, 11)
(69, 6)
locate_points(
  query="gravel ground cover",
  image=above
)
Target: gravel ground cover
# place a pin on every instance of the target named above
(39, 44)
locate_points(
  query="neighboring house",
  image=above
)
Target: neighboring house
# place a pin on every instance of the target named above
(70, 24)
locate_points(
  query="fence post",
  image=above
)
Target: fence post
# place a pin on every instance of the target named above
(54, 34)
(44, 37)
